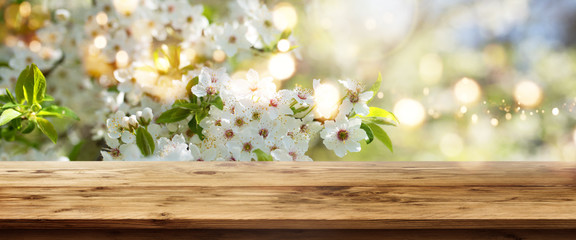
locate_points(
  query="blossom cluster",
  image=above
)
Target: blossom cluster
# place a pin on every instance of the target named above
(148, 47)
(117, 62)
(241, 120)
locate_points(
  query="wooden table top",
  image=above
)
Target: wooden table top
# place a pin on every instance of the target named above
(287, 195)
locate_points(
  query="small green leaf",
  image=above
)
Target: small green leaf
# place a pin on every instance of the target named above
(187, 68)
(209, 13)
(144, 141)
(48, 98)
(29, 128)
(73, 155)
(191, 83)
(9, 105)
(4, 99)
(39, 85)
(301, 109)
(262, 156)
(381, 135)
(368, 131)
(187, 105)
(379, 121)
(195, 128)
(8, 115)
(201, 115)
(10, 96)
(58, 111)
(218, 103)
(25, 85)
(47, 128)
(285, 34)
(375, 87)
(381, 113)
(173, 115)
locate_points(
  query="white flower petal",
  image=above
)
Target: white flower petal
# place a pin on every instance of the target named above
(128, 137)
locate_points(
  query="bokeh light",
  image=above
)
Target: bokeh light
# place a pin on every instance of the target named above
(219, 55)
(283, 45)
(282, 66)
(35, 46)
(122, 59)
(466, 91)
(125, 7)
(528, 94)
(409, 112)
(284, 16)
(327, 98)
(102, 18)
(25, 9)
(100, 42)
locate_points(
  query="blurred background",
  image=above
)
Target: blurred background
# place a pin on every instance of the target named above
(469, 80)
(486, 80)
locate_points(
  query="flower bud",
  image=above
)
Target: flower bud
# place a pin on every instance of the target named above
(147, 114)
(144, 116)
(125, 124)
(133, 122)
(62, 15)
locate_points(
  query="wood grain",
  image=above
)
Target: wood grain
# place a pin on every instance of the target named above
(273, 195)
(332, 234)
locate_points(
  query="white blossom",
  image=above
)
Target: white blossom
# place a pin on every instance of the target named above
(343, 135)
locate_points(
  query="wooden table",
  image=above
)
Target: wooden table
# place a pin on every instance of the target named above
(280, 200)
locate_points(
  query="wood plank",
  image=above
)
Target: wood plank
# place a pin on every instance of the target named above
(318, 195)
(336, 234)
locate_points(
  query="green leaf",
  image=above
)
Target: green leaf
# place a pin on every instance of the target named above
(301, 109)
(381, 135)
(262, 156)
(187, 68)
(58, 111)
(48, 98)
(379, 121)
(218, 103)
(31, 86)
(75, 152)
(8, 115)
(29, 128)
(381, 113)
(173, 115)
(285, 34)
(375, 87)
(47, 128)
(209, 13)
(39, 86)
(195, 128)
(201, 115)
(4, 99)
(25, 85)
(187, 105)
(9, 105)
(368, 131)
(189, 86)
(144, 141)
(10, 96)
